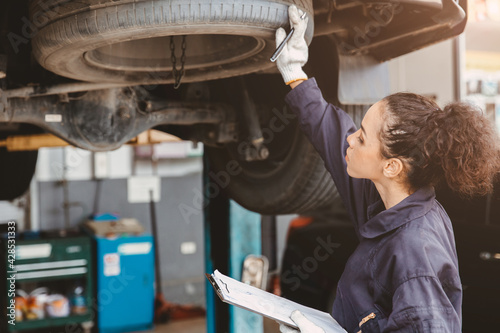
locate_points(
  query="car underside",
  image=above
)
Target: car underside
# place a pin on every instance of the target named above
(97, 73)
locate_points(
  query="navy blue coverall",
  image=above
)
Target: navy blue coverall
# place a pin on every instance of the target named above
(403, 276)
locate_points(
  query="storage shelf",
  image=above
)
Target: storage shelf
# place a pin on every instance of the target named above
(55, 263)
(50, 322)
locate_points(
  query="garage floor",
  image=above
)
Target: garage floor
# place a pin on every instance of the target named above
(198, 325)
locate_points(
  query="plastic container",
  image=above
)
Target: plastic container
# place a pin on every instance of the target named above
(77, 300)
(57, 306)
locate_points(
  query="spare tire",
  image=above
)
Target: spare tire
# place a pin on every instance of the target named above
(128, 41)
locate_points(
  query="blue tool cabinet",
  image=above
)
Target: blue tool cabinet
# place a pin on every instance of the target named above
(124, 283)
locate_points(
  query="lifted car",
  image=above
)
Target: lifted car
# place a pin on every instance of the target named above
(96, 73)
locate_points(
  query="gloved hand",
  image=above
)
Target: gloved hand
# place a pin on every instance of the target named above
(304, 324)
(295, 53)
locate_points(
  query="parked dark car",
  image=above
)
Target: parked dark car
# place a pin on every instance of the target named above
(96, 73)
(476, 224)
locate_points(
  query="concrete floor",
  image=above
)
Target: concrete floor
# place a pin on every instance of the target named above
(198, 325)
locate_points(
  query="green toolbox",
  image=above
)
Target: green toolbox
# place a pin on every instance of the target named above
(47, 283)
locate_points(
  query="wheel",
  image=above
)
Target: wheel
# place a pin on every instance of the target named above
(16, 171)
(292, 179)
(16, 168)
(129, 40)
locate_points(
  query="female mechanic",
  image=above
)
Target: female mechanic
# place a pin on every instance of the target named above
(403, 276)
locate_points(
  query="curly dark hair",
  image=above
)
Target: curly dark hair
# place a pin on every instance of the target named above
(456, 144)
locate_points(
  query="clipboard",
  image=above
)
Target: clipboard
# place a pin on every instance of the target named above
(267, 304)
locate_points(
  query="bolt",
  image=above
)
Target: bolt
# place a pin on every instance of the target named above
(485, 255)
(144, 105)
(263, 153)
(127, 91)
(123, 112)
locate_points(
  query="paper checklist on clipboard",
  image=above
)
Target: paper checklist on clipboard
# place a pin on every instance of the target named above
(267, 304)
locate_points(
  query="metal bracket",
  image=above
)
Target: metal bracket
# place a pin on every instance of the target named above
(363, 80)
(3, 66)
(3, 101)
(255, 150)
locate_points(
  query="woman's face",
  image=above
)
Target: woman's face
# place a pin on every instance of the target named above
(363, 156)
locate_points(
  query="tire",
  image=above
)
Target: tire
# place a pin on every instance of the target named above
(16, 172)
(293, 179)
(297, 183)
(127, 41)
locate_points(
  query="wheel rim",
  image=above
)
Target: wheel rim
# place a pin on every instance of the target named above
(154, 53)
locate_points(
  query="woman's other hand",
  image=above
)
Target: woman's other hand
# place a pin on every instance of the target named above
(304, 324)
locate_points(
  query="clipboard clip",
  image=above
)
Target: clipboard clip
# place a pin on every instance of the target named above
(215, 284)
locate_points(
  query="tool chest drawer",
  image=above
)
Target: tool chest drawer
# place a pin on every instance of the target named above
(48, 283)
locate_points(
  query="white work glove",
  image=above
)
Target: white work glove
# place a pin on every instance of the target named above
(304, 324)
(295, 52)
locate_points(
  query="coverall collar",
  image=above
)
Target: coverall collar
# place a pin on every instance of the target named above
(382, 221)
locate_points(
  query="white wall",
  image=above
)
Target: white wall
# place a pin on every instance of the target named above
(176, 159)
(428, 71)
(11, 211)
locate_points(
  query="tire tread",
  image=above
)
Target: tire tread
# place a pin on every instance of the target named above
(97, 21)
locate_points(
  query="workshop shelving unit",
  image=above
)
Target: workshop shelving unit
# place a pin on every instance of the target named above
(56, 263)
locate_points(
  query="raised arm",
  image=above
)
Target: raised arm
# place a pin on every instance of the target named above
(327, 127)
